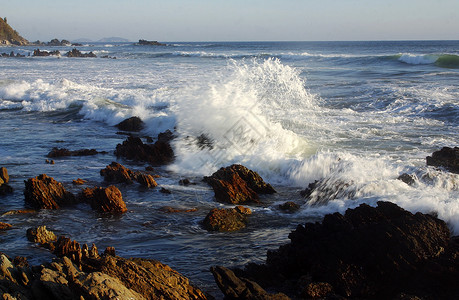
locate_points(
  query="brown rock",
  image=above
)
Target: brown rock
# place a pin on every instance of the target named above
(104, 199)
(229, 219)
(289, 207)
(79, 181)
(43, 192)
(146, 180)
(132, 124)
(158, 153)
(237, 184)
(41, 235)
(116, 172)
(20, 211)
(4, 226)
(169, 209)
(4, 175)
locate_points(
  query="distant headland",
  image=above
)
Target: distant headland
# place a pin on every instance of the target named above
(9, 36)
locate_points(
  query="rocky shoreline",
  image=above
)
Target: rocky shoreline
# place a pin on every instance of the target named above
(381, 252)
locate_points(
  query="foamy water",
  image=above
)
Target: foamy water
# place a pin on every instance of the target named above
(354, 116)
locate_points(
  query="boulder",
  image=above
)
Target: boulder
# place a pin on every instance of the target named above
(37, 52)
(289, 207)
(4, 226)
(133, 148)
(227, 219)
(5, 189)
(43, 192)
(145, 180)
(446, 157)
(369, 252)
(77, 53)
(62, 152)
(116, 172)
(4, 177)
(134, 124)
(41, 235)
(104, 200)
(236, 184)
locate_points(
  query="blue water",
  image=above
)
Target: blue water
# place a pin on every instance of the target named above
(354, 115)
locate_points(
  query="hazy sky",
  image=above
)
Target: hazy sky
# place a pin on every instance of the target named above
(234, 20)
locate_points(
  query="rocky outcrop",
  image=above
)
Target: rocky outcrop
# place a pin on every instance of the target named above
(104, 200)
(367, 253)
(62, 152)
(150, 43)
(236, 184)
(43, 192)
(37, 52)
(4, 179)
(4, 226)
(9, 36)
(158, 153)
(77, 53)
(133, 124)
(227, 219)
(57, 43)
(116, 172)
(446, 157)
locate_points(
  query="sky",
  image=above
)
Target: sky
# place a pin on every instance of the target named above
(235, 20)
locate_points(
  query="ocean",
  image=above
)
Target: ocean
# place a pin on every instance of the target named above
(353, 115)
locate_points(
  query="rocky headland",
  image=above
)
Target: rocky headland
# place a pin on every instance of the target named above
(9, 36)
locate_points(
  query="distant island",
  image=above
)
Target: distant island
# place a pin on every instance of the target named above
(9, 36)
(150, 43)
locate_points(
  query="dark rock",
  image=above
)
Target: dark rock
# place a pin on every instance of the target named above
(133, 148)
(62, 152)
(227, 219)
(57, 43)
(104, 200)
(37, 52)
(5, 189)
(146, 180)
(368, 253)
(407, 178)
(77, 53)
(165, 191)
(446, 157)
(132, 124)
(115, 172)
(43, 192)
(204, 142)
(149, 169)
(234, 287)
(236, 184)
(78, 181)
(289, 207)
(20, 261)
(166, 136)
(150, 43)
(185, 181)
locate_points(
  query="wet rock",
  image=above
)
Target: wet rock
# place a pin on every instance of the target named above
(41, 235)
(62, 152)
(227, 219)
(104, 200)
(115, 172)
(290, 207)
(236, 184)
(317, 290)
(446, 157)
(146, 180)
(323, 191)
(185, 181)
(4, 177)
(4, 226)
(37, 52)
(134, 124)
(5, 189)
(366, 253)
(166, 136)
(165, 191)
(133, 148)
(407, 178)
(43, 192)
(78, 181)
(234, 287)
(169, 209)
(77, 53)
(20, 211)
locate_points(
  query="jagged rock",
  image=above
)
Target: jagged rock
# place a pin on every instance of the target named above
(150, 43)
(4, 177)
(366, 253)
(37, 52)
(234, 287)
(4, 226)
(446, 157)
(236, 184)
(132, 124)
(158, 153)
(77, 53)
(62, 152)
(78, 181)
(41, 235)
(104, 200)
(166, 136)
(165, 191)
(43, 192)
(146, 180)
(229, 219)
(116, 172)
(289, 207)
(5, 189)
(407, 178)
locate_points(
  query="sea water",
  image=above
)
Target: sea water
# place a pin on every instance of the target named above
(353, 115)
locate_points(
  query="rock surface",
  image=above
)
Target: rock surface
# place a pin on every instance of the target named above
(115, 172)
(158, 153)
(134, 124)
(43, 192)
(62, 152)
(446, 157)
(77, 53)
(236, 184)
(37, 52)
(9, 36)
(41, 235)
(227, 219)
(366, 253)
(104, 200)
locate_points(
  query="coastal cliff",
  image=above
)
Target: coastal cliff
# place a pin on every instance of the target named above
(9, 36)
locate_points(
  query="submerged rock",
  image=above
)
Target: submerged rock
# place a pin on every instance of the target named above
(236, 184)
(446, 157)
(62, 152)
(104, 200)
(227, 219)
(4, 226)
(43, 192)
(369, 252)
(158, 153)
(134, 124)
